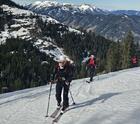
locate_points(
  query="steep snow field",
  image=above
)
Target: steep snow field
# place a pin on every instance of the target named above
(112, 98)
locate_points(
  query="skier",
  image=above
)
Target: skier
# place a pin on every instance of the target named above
(63, 75)
(91, 66)
(85, 54)
(134, 61)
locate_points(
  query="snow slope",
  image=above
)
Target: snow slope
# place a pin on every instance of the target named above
(24, 23)
(111, 99)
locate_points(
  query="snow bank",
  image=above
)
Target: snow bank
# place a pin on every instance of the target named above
(111, 99)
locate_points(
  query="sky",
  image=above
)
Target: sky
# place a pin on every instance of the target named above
(104, 4)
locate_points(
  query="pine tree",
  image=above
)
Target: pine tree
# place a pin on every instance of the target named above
(114, 57)
(118, 56)
(128, 50)
(110, 58)
(21, 65)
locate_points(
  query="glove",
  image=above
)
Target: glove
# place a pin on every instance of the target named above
(52, 81)
(96, 66)
(67, 83)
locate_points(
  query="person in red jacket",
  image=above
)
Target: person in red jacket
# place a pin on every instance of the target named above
(134, 61)
(91, 65)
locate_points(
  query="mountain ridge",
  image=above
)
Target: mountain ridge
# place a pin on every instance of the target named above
(83, 7)
(113, 25)
(10, 3)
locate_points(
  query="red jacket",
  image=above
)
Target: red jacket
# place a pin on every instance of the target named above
(134, 60)
(91, 63)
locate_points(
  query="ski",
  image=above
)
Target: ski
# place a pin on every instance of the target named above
(53, 115)
(88, 81)
(57, 118)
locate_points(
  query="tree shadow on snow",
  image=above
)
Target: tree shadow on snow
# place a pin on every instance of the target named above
(102, 98)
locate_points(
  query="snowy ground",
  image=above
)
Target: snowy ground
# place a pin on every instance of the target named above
(112, 98)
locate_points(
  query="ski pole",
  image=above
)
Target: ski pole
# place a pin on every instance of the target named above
(72, 97)
(49, 100)
(98, 76)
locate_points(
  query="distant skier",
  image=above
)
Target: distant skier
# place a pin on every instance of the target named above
(63, 74)
(85, 54)
(134, 61)
(91, 66)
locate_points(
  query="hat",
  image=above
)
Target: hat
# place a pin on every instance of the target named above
(61, 59)
(92, 56)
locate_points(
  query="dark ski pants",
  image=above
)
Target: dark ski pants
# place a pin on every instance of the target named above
(134, 65)
(91, 73)
(61, 85)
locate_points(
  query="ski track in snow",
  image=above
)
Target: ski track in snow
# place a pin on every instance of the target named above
(110, 99)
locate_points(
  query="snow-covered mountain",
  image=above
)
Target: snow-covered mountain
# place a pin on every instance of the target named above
(65, 7)
(23, 23)
(82, 8)
(110, 24)
(111, 99)
(126, 12)
(25, 37)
